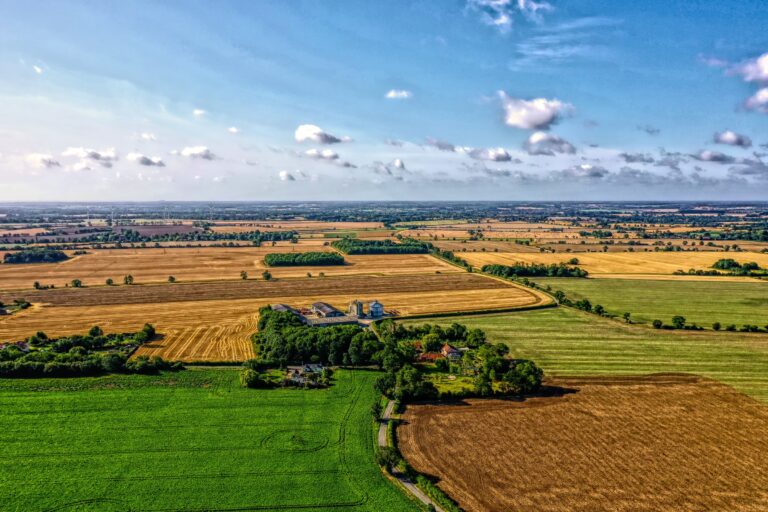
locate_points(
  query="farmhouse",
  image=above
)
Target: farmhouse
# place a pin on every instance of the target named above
(450, 351)
(305, 373)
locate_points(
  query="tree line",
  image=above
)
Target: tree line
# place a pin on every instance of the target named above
(357, 246)
(35, 255)
(94, 353)
(293, 259)
(534, 270)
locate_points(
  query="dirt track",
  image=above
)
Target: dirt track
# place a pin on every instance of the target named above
(662, 443)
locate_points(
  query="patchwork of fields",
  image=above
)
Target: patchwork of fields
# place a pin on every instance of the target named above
(566, 342)
(702, 302)
(214, 321)
(190, 441)
(662, 443)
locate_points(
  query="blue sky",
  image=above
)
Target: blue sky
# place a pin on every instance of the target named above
(454, 99)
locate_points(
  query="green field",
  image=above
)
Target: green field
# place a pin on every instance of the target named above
(568, 342)
(702, 302)
(190, 441)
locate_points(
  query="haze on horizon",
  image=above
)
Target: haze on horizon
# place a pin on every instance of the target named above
(397, 100)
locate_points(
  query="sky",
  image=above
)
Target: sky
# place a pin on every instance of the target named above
(395, 100)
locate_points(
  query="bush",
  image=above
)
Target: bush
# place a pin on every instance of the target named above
(657, 324)
(250, 379)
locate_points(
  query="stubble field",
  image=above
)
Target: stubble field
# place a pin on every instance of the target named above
(658, 443)
(214, 321)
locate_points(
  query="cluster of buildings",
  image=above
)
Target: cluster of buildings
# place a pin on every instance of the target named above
(322, 314)
(447, 351)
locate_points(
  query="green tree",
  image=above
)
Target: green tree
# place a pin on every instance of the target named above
(266, 275)
(431, 342)
(716, 326)
(678, 321)
(171, 279)
(657, 324)
(95, 332)
(76, 283)
(110, 281)
(627, 317)
(128, 279)
(243, 275)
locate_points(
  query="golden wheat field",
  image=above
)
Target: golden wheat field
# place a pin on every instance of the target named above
(657, 443)
(152, 265)
(617, 264)
(213, 322)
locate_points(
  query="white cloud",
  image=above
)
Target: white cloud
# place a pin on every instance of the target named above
(42, 160)
(398, 164)
(148, 136)
(201, 152)
(499, 13)
(532, 9)
(535, 114)
(312, 133)
(758, 101)
(325, 154)
(233, 129)
(145, 160)
(492, 154)
(713, 156)
(286, 176)
(732, 139)
(542, 143)
(398, 94)
(104, 157)
(754, 70)
(38, 70)
(81, 166)
(198, 112)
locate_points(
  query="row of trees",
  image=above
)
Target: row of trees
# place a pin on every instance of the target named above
(293, 259)
(35, 255)
(534, 270)
(357, 246)
(81, 355)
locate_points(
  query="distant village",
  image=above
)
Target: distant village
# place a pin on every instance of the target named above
(322, 314)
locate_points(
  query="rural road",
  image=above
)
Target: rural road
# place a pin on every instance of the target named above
(386, 417)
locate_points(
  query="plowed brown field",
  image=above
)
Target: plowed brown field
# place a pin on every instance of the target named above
(659, 443)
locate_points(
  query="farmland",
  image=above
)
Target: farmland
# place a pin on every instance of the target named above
(620, 264)
(214, 321)
(190, 441)
(663, 443)
(701, 302)
(565, 342)
(204, 264)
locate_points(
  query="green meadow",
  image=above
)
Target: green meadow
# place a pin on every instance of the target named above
(702, 302)
(190, 441)
(564, 341)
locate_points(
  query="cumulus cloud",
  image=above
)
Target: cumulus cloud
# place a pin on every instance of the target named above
(42, 160)
(233, 129)
(713, 156)
(398, 164)
(543, 143)
(732, 139)
(758, 101)
(105, 157)
(535, 114)
(198, 112)
(490, 154)
(312, 133)
(641, 158)
(148, 136)
(292, 176)
(754, 70)
(441, 145)
(398, 94)
(145, 160)
(199, 152)
(38, 70)
(755, 168)
(589, 171)
(325, 154)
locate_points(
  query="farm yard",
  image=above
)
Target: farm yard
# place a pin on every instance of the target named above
(700, 302)
(662, 443)
(189, 442)
(214, 321)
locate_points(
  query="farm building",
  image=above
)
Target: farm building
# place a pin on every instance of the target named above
(325, 310)
(356, 309)
(304, 373)
(376, 309)
(450, 351)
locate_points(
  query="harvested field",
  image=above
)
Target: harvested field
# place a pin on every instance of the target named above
(214, 321)
(621, 263)
(204, 264)
(659, 443)
(302, 226)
